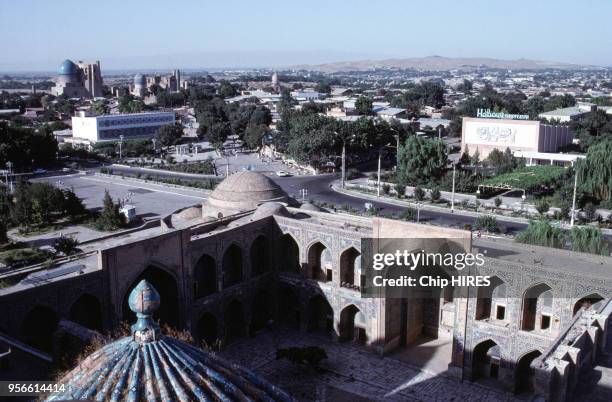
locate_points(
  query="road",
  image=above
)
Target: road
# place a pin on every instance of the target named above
(150, 199)
(319, 189)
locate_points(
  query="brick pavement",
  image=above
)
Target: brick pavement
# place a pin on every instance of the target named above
(350, 373)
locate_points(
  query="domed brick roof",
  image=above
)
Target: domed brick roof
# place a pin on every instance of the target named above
(148, 366)
(243, 191)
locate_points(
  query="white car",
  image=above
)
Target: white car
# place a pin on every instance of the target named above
(283, 173)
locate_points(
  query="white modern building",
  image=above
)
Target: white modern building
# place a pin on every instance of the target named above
(305, 95)
(547, 158)
(111, 127)
(486, 135)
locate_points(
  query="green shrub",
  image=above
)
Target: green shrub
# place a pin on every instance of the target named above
(400, 190)
(590, 213)
(408, 214)
(541, 233)
(589, 240)
(386, 188)
(487, 222)
(435, 195)
(542, 206)
(419, 193)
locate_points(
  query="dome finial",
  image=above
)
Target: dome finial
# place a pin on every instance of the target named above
(144, 301)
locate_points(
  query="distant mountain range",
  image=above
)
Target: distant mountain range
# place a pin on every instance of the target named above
(439, 63)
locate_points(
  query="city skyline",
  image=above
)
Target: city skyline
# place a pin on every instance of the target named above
(230, 35)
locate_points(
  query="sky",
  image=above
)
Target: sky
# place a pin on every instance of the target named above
(200, 34)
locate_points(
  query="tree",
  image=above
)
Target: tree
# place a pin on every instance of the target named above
(503, 162)
(5, 214)
(254, 134)
(73, 206)
(363, 105)
(475, 159)
(400, 190)
(419, 193)
(169, 134)
(110, 218)
(26, 148)
(100, 108)
(595, 172)
(408, 214)
(465, 159)
(66, 245)
(498, 202)
(435, 195)
(592, 128)
(323, 87)
(542, 206)
(421, 160)
(226, 90)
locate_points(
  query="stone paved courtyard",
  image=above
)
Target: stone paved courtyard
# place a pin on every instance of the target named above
(350, 373)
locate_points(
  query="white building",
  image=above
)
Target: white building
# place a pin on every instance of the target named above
(111, 127)
(305, 95)
(486, 135)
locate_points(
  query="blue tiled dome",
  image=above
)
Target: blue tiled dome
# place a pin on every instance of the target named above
(148, 366)
(139, 79)
(68, 68)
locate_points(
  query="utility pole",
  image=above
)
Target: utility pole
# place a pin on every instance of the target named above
(343, 162)
(9, 180)
(120, 143)
(378, 182)
(453, 196)
(574, 199)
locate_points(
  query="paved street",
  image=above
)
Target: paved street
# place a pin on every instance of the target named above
(150, 199)
(350, 373)
(319, 189)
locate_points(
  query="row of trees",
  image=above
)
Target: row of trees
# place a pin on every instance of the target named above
(218, 120)
(37, 205)
(314, 139)
(26, 148)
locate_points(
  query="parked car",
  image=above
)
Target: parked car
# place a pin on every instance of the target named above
(39, 171)
(283, 173)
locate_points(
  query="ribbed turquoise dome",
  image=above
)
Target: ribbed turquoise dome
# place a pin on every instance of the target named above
(148, 366)
(68, 68)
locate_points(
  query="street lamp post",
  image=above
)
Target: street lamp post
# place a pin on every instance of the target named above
(343, 162)
(418, 204)
(120, 143)
(574, 199)
(453, 195)
(9, 180)
(378, 182)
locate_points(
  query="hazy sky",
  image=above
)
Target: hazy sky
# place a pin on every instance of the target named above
(128, 34)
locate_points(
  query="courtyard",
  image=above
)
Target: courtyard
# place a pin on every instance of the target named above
(352, 373)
